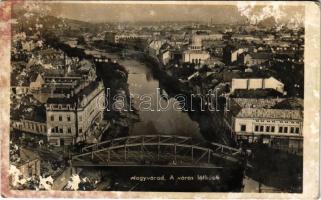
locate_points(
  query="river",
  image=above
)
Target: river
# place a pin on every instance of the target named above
(147, 93)
(154, 119)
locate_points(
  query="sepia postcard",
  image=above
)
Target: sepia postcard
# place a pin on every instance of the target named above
(160, 99)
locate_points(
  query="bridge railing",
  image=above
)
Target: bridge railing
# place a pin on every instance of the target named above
(131, 139)
(127, 149)
(225, 149)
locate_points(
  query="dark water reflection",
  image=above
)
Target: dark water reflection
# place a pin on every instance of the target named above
(145, 88)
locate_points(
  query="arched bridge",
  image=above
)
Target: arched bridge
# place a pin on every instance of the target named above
(154, 150)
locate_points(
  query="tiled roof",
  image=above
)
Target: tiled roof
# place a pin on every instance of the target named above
(261, 55)
(266, 108)
(85, 91)
(27, 108)
(25, 156)
(270, 113)
(257, 103)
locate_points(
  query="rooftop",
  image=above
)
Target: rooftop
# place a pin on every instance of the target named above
(27, 108)
(270, 113)
(72, 99)
(257, 103)
(271, 108)
(196, 51)
(261, 55)
(24, 156)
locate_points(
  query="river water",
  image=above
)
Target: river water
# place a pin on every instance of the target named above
(157, 115)
(146, 91)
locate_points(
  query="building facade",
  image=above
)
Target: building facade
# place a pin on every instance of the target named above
(195, 56)
(70, 120)
(256, 59)
(251, 120)
(257, 83)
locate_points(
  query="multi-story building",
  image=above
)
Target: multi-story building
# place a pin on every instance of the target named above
(232, 54)
(195, 56)
(252, 120)
(202, 37)
(123, 37)
(71, 118)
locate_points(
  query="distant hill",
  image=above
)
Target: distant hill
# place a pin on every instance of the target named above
(268, 22)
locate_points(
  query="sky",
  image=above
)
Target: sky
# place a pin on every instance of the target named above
(129, 12)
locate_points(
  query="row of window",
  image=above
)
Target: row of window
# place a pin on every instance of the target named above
(89, 109)
(52, 118)
(196, 60)
(35, 127)
(292, 122)
(271, 129)
(61, 130)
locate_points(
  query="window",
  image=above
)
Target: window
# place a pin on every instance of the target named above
(297, 130)
(68, 117)
(272, 129)
(292, 130)
(30, 170)
(285, 129)
(60, 118)
(243, 127)
(261, 128)
(53, 130)
(267, 128)
(280, 129)
(69, 130)
(256, 128)
(61, 130)
(80, 130)
(52, 118)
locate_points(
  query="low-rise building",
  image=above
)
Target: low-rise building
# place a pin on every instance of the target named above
(248, 38)
(257, 83)
(165, 57)
(27, 162)
(232, 54)
(202, 37)
(155, 46)
(37, 83)
(214, 62)
(252, 59)
(123, 37)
